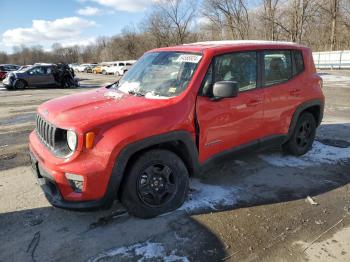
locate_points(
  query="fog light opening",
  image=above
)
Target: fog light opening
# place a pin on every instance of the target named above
(76, 182)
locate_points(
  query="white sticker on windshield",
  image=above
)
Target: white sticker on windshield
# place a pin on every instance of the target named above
(189, 59)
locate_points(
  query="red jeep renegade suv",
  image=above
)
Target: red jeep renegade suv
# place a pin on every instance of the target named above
(176, 110)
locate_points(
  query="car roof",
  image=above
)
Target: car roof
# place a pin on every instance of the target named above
(226, 44)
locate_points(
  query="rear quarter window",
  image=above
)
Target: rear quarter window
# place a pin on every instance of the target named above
(298, 62)
(277, 66)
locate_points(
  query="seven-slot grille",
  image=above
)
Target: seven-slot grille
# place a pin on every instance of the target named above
(46, 132)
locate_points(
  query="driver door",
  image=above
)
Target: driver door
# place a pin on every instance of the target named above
(231, 122)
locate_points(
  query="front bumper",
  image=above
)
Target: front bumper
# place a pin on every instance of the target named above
(52, 192)
(99, 188)
(6, 82)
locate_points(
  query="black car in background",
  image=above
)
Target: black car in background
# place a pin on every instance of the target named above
(41, 75)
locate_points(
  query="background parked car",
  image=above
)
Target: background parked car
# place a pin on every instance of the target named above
(126, 68)
(74, 66)
(87, 68)
(6, 68)
(100, 69)
(117, 68)
(40, 75)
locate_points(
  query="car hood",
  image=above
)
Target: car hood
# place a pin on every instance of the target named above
(96, 107)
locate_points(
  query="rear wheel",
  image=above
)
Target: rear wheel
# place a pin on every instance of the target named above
(156, 183)
(20, 84)
(104, 72)
(303, 135)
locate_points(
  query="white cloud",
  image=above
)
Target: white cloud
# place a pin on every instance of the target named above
(46, 31)
(126, 5)
(80, 42)
(89, 11)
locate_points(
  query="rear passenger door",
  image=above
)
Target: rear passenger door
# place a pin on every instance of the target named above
(48, 78)
(34, 77)
(235, 121)
(281, 91)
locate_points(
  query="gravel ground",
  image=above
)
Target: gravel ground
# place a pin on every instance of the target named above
(251, 208)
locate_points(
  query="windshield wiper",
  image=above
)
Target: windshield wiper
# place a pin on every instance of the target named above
(133, 92)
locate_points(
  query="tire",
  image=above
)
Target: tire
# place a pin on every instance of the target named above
(104, 72)
(117, 74)
(156, 183)
(302, 137)
(20, 84)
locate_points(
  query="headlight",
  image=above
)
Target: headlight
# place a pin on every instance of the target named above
(72, 140)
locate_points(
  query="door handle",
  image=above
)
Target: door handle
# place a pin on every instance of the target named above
(254, 102)
(295, 92)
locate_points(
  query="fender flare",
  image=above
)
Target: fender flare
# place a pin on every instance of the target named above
(128, 151)
(301, 108)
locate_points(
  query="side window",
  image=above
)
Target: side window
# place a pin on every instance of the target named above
(278, 67)
(35, 71)
(121, 64)
(298, 62)
(240, 67)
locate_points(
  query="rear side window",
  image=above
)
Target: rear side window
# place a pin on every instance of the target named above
(278, 67)
(298, 62)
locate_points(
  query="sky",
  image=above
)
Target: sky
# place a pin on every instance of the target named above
(68, 22)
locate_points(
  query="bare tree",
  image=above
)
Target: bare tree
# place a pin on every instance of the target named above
(334, 10)
(170, 21)
(231, 14)
(269, 16)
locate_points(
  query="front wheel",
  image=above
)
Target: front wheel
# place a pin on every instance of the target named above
(303, 135)
(156, 183)
(20, 84)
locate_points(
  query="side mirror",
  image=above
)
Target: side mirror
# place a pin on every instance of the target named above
(223, 89)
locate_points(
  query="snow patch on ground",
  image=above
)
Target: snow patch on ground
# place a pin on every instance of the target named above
(319, 154)
(204, 196)
(146, 250)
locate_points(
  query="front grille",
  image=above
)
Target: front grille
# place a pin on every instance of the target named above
(46, 132)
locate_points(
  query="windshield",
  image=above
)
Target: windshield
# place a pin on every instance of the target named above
(160, 74)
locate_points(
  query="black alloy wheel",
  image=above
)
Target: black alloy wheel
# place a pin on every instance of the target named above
(156, 185)
(303, 135)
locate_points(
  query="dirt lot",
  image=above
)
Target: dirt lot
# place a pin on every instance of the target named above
(251, 208)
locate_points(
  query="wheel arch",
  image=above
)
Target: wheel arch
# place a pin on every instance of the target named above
(315, 107)
(179, 142)
(20, 79)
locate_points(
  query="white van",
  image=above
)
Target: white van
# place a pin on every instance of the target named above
(118, 68)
